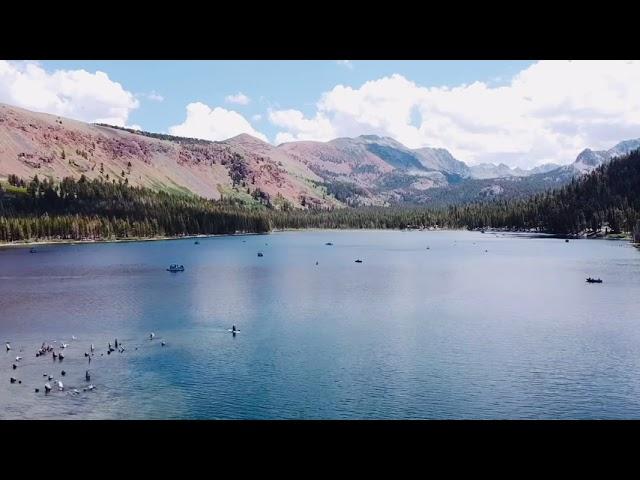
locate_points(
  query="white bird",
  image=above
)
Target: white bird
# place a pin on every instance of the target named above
(73, 337)
(18, 359)
(47, 387)
(151, 335)
(163, 344)
(90, 387)
(64, 345)
(60, 385)
(8, 346)
(92, 348)
(61, 355)
(76, 391)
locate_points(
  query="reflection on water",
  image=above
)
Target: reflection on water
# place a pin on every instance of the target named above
(475, 326)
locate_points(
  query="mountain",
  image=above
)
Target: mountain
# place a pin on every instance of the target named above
(440, 159)
(490, 170)
(588, 159)
(372, 170)
(368, 170)
(607, 196)
(242, 167)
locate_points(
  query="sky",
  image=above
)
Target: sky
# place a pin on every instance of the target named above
(522, 113)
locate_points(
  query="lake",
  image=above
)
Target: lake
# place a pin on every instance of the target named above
(476, 326)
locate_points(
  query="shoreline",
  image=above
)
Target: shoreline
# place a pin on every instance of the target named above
(121, 240)
(18, 244)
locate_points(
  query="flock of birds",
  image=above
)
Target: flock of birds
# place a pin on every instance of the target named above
(57, 354)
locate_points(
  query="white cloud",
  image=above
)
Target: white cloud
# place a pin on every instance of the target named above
(77, 94)
(300, 128)
(547, 112)
(257, 117)
(345, 63)
(154, 96)
(239, 99)
(213, 124)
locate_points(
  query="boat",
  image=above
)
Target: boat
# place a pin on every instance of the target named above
(328, 243)
(260, 254)
(358, 261)
(594, 280)
(196, 243)
(175, 268)
(33, 250)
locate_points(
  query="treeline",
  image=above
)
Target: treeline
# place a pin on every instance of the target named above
(608, 195)
(94, 209)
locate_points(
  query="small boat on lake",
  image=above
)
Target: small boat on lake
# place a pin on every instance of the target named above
(260, 254)
(329, 243)
(196, 243)
(594, 280)
(175, 268)
(33, 250)
(358, 261)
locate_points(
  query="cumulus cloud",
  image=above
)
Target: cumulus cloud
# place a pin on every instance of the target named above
(299, 128)
(547, 112)
(213, 124)
(239, 99)
(77, 94)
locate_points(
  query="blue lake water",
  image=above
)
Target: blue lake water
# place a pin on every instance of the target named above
(452, 331)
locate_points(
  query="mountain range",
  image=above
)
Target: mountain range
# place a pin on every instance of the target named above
(365, 170)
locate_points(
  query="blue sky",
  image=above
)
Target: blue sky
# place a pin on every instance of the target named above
(522, 113)
(280, 84)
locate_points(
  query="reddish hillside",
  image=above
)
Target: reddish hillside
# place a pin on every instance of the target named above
(36, 143)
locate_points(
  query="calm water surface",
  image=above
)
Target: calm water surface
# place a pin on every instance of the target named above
(452, 331)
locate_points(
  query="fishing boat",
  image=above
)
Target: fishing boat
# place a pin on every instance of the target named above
(594, 280)
(358, 261)
(329, 243)
(175, 268)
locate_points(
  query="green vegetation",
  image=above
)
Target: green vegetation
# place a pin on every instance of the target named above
(160, 136)
(608, 195)
(102, 210)
(96, 209)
